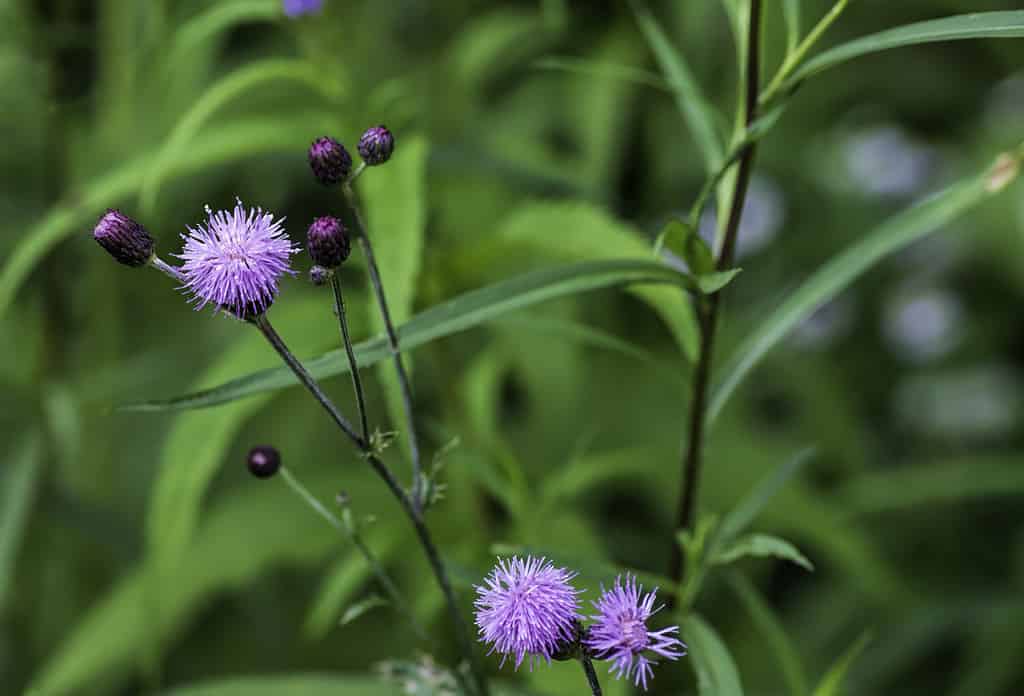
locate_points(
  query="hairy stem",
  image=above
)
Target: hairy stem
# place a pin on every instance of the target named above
(396, 355)
(346, 339)
(709, 308)
(411, 510)
(588, 669)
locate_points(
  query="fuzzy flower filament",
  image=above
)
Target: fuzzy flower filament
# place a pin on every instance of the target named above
(527, 607)
(235, 260)
(620, 632)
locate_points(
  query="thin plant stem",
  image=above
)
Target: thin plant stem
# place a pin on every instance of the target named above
(412, 511)
(357, 540)
(588, 669)
(709, 307)
(796, 57)
(346, 338)
(396, 355)
(166, 268)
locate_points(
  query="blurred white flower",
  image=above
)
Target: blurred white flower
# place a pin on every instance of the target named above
(884, 161)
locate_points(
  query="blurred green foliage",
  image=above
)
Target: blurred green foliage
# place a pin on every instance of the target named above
(136, 554)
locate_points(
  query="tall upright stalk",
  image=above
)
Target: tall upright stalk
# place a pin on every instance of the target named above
(353, 365)
(389, 327)
(411, 510)
(708, 308)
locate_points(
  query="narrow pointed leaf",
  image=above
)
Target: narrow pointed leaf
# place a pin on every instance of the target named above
(831, 684)
(717, 674)
(762, 546)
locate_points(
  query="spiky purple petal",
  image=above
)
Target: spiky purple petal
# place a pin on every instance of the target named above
(235, 260)
(527, 607)
(620, 632)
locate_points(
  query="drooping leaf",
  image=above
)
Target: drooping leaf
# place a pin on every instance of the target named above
(451, 317)
(368, 603)
(761, 545)
(838, 273)
(717, 674)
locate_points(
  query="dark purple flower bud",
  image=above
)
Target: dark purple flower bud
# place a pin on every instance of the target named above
(318, 275)
(329, 160)
(263, 461)
(376, 145)
(327, 242)
(124, 238)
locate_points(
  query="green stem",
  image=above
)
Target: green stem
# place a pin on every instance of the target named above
(796, 57)
(588, 669)
(346, 339)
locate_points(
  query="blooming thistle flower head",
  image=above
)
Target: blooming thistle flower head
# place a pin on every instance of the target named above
(620, 631)
(327, 242)
(376, 145)
(527, 607)
(329, 160)
(123, 238)
(234, 261)
(297, 8)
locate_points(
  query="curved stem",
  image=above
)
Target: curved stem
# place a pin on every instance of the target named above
(346, 339)
(406, 501)
(708, 310)
(794, 59)
(396, 355)
(588, 669)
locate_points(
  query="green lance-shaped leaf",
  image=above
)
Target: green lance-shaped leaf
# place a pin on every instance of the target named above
(18, 480)
(453, 316)
(831, 684)
(840, 272)
(293, 685)
(761, 546)
(717, 674)
(977, 25)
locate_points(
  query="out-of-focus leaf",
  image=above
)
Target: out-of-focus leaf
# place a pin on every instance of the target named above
(105, 644)
(979, 25)
(696, 110)
(354, 611)
(294, 685)
(593, 469)
(831, 278)
(961, 480)
(395, 199)
(717, 674)
(451, 317)
(217, 20)
(761, 545)
(773, 632)
(831, 684)
(740, 517)
(19, 478)
(601, 69)
(791, 13)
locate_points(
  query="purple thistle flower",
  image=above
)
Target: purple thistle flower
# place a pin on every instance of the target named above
(297, 8)
(620, 633)
(234, 261)
(527, 607)
(124, 238)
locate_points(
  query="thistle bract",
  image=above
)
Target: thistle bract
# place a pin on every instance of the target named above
(327, 242)
(124, 238)
(620, 632)
(329, 160)
(235, 260)
(526, 607)
(376, 145)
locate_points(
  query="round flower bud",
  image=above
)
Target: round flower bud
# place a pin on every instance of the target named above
(376, 145)
(263, 461)
(327, 242)
(318, 275)
(124, 239)
(329, 161)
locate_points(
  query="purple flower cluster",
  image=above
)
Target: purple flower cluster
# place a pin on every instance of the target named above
(529, 608)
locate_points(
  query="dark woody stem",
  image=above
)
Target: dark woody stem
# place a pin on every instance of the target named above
(411, 510)
(357, 382)
(708, 311)
(588, 669)
(396, 355)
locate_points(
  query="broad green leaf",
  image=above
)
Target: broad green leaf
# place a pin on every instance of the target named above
(105, 645)
(696, 110)
(831, 684)
(961, 480)
(293, 685)
(395, 200)
(761, 546)
(791, 13)
(227, 89)
(18, 480)
(220, 145)
(716, 670)
(451, 317)
(740, 517)
(603, 69)
(354, 611)
(683, 241)
(774, 633)
(979, 25)
(838, 273)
